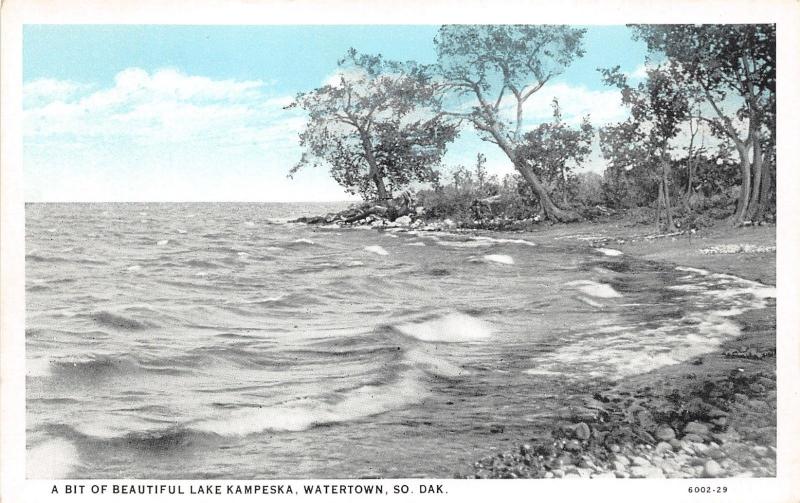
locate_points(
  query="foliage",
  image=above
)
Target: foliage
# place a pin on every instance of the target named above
(720, 65)
(494, 70)
(377, 126)
(554, 150)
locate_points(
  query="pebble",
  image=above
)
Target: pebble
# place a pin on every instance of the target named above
(641, 472)
(663, 447)
(664, 432)
(582, 431)
(696, 428)
(712, 469)
(761, 451)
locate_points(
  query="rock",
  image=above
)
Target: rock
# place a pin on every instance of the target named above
(621, 474)
(581, 431)
(572, 445)
(712, 469)
(720, 421)
(761, 451)
(640, 461)
(559, 474)
(663, 447)
(614, 448)
(405, 220)
(675, 443)
(548, 475)
(649, 472)
(604, 475)
(449, 223)
(693, 437)
(696, 428)
(665, 433)
(622, 459)
(618, 466)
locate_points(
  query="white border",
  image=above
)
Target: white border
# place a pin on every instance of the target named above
(785, 13)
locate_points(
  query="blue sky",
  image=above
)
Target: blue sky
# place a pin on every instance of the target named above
(149, 112)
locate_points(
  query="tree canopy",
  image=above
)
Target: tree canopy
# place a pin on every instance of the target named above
(377, 125)
(731, 69)
(498, 68)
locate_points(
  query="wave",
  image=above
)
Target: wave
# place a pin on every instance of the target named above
(499, 259)
(112, 320)
(453, 327)
(51, 459)
(377, 250)
(595, 289)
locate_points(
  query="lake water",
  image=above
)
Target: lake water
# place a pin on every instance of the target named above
(205, 340)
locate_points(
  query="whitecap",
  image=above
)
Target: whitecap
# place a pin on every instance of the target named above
(249, 224)
(609, 252)
(505, 241)
(303, 241)
(163, 242)
(135, 268)
(594, 289)
(453, 327)
(52, 459)
(37, 367)
(302, 414)
(377, 250)
(587, 300)
(181, 231)
(701, 272)
(500, 259)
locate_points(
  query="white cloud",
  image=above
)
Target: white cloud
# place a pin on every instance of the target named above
(166, 106)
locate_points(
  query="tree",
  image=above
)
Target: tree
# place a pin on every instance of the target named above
(658, 106)
(732, 70)
(631, 178)
(378, 126)
(554, 150)
(494, 64)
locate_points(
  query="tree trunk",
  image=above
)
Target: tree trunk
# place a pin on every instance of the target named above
(375, 172)
(659, 205)
(744, 191)
(755, 193)
(667, 205)
(551, 211)
(766, 185)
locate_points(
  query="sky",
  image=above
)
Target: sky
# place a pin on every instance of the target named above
(196, 113)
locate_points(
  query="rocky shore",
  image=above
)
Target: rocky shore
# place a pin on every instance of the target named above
(714, 427)
(712, 417)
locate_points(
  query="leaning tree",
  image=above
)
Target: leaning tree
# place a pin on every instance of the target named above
(497, 68)
(732, 69)
(377, 125)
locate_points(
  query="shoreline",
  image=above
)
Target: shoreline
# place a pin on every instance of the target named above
(713, 416)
